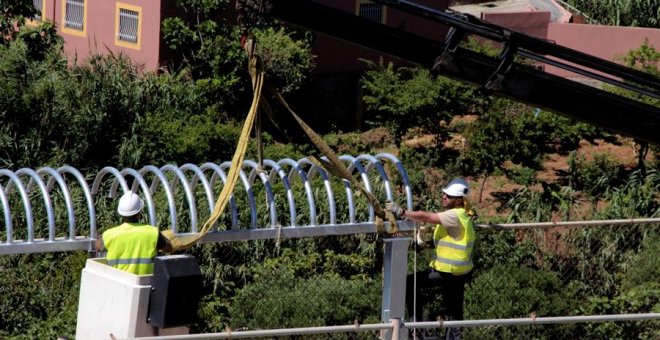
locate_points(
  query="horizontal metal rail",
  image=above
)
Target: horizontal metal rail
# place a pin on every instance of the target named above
(394, 324)
(594, 223)
(197, 184)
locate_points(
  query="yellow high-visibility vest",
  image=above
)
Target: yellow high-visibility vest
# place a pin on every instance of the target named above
(454, 255)
(132, 247)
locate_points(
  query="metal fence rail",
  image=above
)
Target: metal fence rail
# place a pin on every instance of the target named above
(399, 330)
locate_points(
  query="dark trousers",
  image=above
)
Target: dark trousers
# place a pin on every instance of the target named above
(452, 288)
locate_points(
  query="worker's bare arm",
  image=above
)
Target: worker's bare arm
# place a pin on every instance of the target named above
(422, 216)
(98, 245)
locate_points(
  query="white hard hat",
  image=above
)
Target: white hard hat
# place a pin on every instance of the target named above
(458, 187)
(130, 204)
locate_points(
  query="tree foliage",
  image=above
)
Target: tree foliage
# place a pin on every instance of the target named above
(12, 16)
(642, 13)
(516, 292)
(201, 40)
(406, 97)
(108, 111)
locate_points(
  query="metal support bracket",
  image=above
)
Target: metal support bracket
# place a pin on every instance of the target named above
(454, 38)
(506, 59)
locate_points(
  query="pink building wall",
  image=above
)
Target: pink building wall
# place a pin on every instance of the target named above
(100, 29)
(605, 42)
(336, 57)
(532, 23)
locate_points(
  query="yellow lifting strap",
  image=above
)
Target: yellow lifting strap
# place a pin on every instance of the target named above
(336, 167)
(180, 243)
(333, 165)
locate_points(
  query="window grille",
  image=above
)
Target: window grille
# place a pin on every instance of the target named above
(75, 14)
(128, 25)
(39, 5)
(371, 11)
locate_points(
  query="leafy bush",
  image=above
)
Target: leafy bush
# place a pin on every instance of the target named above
(511, 291)
(637, 197)
(39, 296)
(280, 299)
(641, 299)
(643, 13)
(497, 248)
(643, 267)
(287, 61)
(522, 175)
(499, 135)
(529, 205)
(405, 97)
(596, 176)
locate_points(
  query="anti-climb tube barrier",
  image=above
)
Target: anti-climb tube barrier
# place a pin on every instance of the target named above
(53, 210)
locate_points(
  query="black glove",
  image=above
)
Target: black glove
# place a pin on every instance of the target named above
(394, 209)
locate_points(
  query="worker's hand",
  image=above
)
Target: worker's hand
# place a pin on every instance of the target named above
(394, 209)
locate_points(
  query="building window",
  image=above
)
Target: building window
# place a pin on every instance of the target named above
(371, 11)
(39, 5)
(128, 26)
(74, 16)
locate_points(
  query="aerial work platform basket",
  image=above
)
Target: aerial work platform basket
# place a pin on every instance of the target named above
(115, 303)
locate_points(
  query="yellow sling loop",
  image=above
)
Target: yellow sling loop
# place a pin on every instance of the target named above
(333, 165)
(180, 243)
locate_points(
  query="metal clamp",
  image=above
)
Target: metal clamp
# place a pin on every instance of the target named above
(454, 38)
(506, 59)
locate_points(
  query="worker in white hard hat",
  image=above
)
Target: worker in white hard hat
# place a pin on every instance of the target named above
(453, 240)
(132, 245)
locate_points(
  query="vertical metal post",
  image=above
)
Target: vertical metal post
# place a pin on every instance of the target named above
(395, 266)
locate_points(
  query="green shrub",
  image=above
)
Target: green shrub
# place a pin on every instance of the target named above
(39, 294)
(522, 175)
(496, 248)
(510, 291)
(643, 267)
(279, 299)
(595, 176)
(644, 298)
(637, 197)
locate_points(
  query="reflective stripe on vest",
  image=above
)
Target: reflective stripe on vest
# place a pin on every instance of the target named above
(132, 247)
(130, 261)
(454, 245)
(454, 255)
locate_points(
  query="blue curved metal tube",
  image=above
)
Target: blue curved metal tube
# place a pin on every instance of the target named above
(9, 230)
(297, 169)
(326, 184)
(404, 176)
(35, 178)
(88, 196)
(180, 177)
(55, 176)
(270, 197)
(113, 189)
(14, 180)
(161, 178)
(217, 171)
(199, 176)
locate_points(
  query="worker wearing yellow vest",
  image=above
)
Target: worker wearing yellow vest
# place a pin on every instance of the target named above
(453, 240)
(132, 245)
